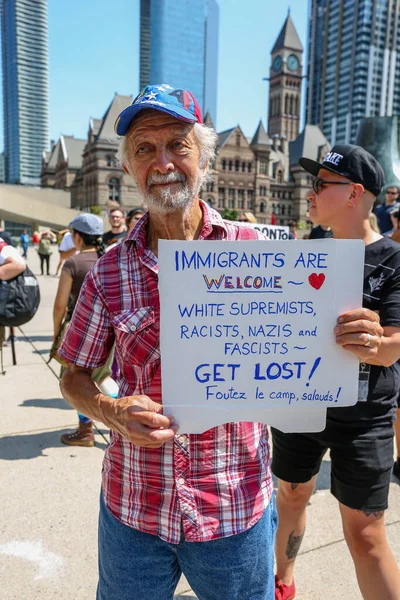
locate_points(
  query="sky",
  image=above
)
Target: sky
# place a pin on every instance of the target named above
(94, 52)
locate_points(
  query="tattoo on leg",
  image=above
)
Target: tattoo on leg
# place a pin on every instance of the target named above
(293, 545)
(294, 486)
(371, 513)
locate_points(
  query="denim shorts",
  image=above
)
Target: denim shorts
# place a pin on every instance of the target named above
(138, 566)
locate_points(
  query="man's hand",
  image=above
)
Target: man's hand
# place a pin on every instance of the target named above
(359, 331)
(140, 420)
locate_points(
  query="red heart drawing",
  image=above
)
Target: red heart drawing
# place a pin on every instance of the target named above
(316, 280)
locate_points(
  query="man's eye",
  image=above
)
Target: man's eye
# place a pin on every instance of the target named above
(177, 145)
(141, 150)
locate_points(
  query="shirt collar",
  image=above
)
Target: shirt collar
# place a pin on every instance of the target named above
(211, 219)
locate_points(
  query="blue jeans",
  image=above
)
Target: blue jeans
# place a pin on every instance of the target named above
(139, 566)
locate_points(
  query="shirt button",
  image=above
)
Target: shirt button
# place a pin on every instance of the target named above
(181, 481)
(133, 327)
(183, 439)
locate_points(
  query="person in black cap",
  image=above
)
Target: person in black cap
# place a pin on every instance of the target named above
(360, 437)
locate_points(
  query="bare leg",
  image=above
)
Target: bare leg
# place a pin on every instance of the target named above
(377, 572)
(291, 502)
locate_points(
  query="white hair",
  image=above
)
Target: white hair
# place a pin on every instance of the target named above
(206, 139)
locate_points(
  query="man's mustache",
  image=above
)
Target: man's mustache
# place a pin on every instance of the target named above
(173, 177)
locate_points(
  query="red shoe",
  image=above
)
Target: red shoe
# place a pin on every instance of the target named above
(284, 592)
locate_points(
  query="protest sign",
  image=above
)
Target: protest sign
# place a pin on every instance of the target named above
(247, 331)
(272, 232)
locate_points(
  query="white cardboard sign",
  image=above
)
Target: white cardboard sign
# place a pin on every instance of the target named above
(272, 232)
(247, 331)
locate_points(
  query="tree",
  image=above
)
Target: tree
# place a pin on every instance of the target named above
(230, 215)
(96, 210)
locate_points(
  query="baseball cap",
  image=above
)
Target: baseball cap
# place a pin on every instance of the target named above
(352, 162)
(181, 104)
(87, 223)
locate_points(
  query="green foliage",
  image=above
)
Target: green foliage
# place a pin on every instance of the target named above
(302, 225)
(96, 210)
(230, 215)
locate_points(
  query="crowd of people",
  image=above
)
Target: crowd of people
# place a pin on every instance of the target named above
(205, 504)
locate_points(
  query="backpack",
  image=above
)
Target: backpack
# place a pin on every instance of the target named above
(19, 299)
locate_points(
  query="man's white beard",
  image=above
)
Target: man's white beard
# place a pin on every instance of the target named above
(170, 201)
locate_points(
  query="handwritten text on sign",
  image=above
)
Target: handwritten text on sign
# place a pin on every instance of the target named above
(246, 325)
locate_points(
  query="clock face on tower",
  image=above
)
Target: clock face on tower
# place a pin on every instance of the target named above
(293, 62)
(277, 63)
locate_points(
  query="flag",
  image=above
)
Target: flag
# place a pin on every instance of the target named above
(273, 219)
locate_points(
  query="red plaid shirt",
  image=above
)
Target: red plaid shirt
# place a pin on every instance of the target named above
(209, 486)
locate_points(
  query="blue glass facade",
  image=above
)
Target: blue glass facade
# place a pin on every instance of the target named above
(25, 88)
(353, 64)
(179, 46)
(211, 59)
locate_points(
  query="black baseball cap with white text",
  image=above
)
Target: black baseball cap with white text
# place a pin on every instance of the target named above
(352, 162)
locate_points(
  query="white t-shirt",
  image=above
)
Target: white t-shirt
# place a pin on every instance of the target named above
(66, 242)
(10, 252)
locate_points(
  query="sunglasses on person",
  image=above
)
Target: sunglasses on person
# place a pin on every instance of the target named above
(318, 184)
(392, 192)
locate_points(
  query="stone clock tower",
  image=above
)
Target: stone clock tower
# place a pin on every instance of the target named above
(285, 84)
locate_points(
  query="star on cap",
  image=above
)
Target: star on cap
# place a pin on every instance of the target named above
(151, 96)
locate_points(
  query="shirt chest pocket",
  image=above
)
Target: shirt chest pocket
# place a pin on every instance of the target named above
(137, 334)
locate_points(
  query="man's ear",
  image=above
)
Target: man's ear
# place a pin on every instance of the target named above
(357, 191)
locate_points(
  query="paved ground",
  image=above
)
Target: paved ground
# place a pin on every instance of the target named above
(49, 492)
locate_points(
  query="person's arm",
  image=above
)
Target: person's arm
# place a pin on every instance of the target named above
(65, 254)
(352, 333)
(87, 345)
(137, 418)
(61, 301)
(10, 269)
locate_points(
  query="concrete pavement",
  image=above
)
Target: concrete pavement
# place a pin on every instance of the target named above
(49, 492)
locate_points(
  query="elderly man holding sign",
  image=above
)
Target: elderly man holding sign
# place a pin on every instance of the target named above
(200, 504)
(360, 437)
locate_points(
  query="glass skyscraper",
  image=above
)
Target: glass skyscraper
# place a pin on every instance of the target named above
(353, 64)
(179, 46)
(25, 88)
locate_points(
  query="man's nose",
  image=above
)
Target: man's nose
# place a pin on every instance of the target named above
(310, 195)
(162, 162)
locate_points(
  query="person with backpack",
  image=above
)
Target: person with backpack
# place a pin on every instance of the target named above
(11, 265)
(86, 231)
